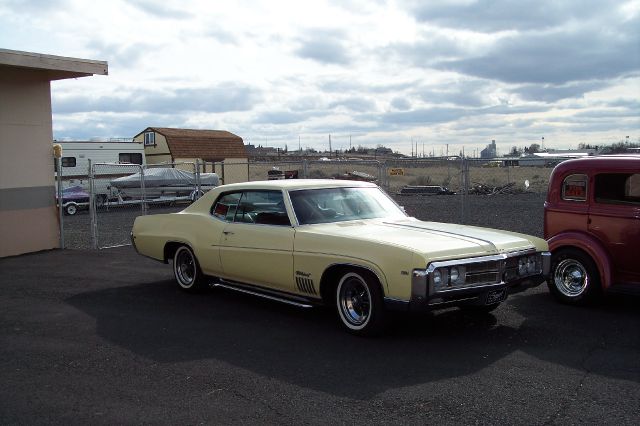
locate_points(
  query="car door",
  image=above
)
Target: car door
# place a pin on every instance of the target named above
(614, 218)
(257, 246)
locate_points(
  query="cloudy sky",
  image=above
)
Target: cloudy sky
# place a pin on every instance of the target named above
(457, 72)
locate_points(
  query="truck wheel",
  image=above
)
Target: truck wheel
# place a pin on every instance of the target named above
(187, 271)
(71, 209)
(574, 277)
(360, 305)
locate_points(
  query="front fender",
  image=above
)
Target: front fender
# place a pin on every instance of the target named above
(590, 245)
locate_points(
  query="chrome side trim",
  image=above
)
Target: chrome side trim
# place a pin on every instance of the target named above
(263, 295)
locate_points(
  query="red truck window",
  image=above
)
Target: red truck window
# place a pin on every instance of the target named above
(617, 188)
(574, 188)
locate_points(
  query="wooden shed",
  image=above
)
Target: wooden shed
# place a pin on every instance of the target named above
(219, 151)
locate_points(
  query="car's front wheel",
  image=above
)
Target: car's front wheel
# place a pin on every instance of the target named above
(360, 304)
(574, 277)
(187, 271)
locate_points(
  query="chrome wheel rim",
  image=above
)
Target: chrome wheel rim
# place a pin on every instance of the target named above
(571, 278)
(185, 267)
(354, 300)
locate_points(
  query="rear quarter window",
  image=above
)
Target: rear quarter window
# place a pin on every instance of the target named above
(574, 188)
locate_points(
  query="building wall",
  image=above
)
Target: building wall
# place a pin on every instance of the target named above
(231, 170)
(235, 170)
(156, 154)
(28, 216)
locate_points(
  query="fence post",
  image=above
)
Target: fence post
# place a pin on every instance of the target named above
(197, 176)
(143, 193)
(305, 171)
(465, 192)
(92, 208)
(60, 200)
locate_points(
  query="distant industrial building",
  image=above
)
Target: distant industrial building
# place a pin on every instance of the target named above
(490, 151)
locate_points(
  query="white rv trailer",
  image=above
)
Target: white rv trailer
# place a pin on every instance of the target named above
(75, 163)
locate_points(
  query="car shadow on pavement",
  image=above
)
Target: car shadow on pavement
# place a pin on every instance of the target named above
(308, 348)
(602, 339)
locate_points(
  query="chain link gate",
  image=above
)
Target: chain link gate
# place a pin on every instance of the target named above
(121, 192)
(114, 209)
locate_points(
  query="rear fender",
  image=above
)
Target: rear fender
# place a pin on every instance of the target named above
(589, 245)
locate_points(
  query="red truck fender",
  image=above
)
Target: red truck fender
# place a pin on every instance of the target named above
(589, 245)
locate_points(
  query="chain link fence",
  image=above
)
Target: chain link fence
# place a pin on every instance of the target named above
(448, 189)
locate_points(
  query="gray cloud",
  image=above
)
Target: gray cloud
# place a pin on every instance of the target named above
(502, 15)
(422, 116)
(223, 36)
(550, 93)
(401, 104)
(160, 9)
(222, 98)
(281, 117)
(123, 55)
(357, 104)
(324, 46)
(556, 57)
(467, 93)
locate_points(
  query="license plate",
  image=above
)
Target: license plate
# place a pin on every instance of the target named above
(495, 296)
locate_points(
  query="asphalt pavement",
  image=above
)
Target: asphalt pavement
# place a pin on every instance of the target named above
(105, 337)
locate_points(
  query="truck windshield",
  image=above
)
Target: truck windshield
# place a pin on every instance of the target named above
(328, 205)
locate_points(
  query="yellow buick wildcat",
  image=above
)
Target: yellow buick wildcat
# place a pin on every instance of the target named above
(341, 243)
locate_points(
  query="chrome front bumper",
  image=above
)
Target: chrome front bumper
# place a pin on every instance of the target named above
(425, 296)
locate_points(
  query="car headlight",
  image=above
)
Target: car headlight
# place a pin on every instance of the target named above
(437, 277)
(522, 266)
(457, 275)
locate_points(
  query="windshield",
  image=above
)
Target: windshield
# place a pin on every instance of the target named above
(339, 204)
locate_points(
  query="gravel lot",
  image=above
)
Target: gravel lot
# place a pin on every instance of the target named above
(518, 212)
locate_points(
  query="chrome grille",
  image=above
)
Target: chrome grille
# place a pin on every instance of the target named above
(483, 272)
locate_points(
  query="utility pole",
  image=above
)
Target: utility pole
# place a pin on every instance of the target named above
(329, 144)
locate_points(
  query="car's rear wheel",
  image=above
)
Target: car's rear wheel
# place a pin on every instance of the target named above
(187, 270)
(360, 304)
(574, 277)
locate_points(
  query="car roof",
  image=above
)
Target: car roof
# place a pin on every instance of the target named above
(293, 184)
(599, 163)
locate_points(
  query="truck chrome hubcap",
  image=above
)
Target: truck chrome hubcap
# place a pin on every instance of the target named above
(571, 278)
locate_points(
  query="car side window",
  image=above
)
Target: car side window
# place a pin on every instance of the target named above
(225, 207)
(574, 188)
(261, 207)
(617, 188)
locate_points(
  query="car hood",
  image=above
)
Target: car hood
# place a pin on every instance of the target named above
(434, 240)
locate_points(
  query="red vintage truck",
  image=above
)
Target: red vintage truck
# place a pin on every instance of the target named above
(592, 224)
